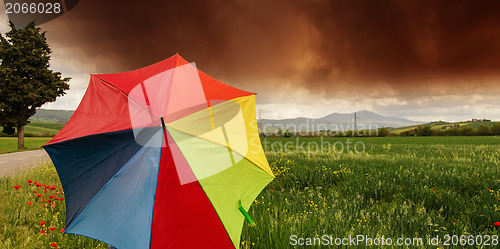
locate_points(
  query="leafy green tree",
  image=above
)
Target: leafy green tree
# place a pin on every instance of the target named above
(483, 130)
(495, 129)
(26, 82)
(383, 132)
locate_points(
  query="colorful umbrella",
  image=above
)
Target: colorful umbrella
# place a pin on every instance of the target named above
(161, 157)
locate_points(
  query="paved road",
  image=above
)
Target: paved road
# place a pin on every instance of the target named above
(9, 163)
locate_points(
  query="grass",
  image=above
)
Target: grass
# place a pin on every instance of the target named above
(404, 187)
(398, 188)
(9, 144)
(23, 212)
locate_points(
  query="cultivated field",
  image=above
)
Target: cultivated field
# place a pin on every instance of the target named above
(403, 187)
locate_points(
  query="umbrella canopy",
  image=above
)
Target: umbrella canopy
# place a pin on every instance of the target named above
(160, 157)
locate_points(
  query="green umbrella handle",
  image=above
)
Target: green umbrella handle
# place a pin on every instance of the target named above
(247, 216)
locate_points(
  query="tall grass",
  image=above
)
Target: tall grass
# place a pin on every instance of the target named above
(33, 213)
(410, 189)
(406, 190)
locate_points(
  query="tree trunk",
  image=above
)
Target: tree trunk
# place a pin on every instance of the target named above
(20, 137)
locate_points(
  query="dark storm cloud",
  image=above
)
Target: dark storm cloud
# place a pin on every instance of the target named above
(314, 45)
(405, 43)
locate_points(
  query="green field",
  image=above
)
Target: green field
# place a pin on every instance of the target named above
(9, 144)
(398, 187)
(43, 128)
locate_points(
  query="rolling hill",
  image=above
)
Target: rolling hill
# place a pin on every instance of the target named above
(336, 122)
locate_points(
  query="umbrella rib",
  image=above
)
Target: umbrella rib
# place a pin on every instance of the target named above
(222, 145)
(71, 224)
(210, 141)
(109, 83)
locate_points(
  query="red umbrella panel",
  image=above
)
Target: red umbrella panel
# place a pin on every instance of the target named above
(161, 157)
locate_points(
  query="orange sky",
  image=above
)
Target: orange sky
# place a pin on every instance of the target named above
(422, 60)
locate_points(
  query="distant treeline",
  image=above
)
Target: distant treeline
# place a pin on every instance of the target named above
(426, 130)
(422, 130)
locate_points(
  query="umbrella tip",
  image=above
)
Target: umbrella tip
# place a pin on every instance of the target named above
(163, 123)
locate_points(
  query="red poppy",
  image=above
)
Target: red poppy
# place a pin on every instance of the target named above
(30, 181)
(42, 223)
(433, 191)
(61, 199)
(51, 196)
(497, 224)
(62, 230)
(39, 195)
(56, 198)
(53, 244)
(42, 200)
(52, 229)
(34, 191)
(53, 187)
(17, 187)
(272, 189)
(29, 203)
(42, 232)
(49, 200)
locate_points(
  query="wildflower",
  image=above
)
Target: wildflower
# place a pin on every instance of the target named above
(34, 191)
(29, 203)
(497, 224)
(42, 223)
(62, 230)
(17, 187)
(42, 232)
(61, 199)
(39, 195)
(56, 198)
(52, 229)
(42, 200)
(272, 189)
(52, 187)
(51, 196)
(53, 244)
(433, 191)
(30, 181)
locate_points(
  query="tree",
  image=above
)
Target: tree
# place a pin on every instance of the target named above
(483, 130)
(383, 132)
(26, 82)
(495, 129)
